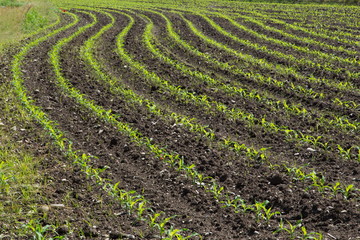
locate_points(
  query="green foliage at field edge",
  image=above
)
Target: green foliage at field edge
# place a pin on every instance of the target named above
(34, 20)
(10, 3)
(342, 2)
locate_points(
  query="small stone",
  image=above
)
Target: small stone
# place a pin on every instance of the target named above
(333, 237)
(44, 208)
(119, 213)
(57, 205)
(311, 150)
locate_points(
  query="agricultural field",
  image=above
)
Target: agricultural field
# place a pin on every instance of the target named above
(191, 120)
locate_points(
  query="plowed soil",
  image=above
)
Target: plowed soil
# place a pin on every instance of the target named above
(136, 168)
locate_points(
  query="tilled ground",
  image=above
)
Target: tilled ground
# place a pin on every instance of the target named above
(93, 214)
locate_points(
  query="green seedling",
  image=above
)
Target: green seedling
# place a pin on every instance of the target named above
(336, 188)
(41, 232)
(348, 191)
(291, 229)
(312, 235)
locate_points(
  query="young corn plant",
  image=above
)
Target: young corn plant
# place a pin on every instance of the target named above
(335, 188)
(297, 231)
(5, 180)
(40, 232)
(349, 189)
(290, 228)
(262, 212)
(317, 181)
(311, 235)
(234, 203)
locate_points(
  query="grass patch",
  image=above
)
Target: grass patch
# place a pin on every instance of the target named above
(11, 19)
(19, 161)
(39, 15)
(19, 176)
(19, 19)
(10, 3)
(20, 180)
(34, 20)
(18, 186)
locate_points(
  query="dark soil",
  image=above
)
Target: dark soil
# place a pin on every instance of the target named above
(92, 213)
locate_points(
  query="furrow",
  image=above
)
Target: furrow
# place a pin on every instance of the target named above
(154, 109)
(213, 107)
(303, 57)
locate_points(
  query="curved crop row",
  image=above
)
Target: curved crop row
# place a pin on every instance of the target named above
(313, 33)
(190, 131)
(262, 19)
(262, 63)
(174, 160)
(344, 21)
(190, 123)
(326, 58)
(339, 27)
(215, 107)
(100, 73)
(297, 109)
(305, 91)
(343, 32)
(231, 90)
(134, 202)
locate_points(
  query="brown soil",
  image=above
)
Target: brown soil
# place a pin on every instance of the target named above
(86, 205)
